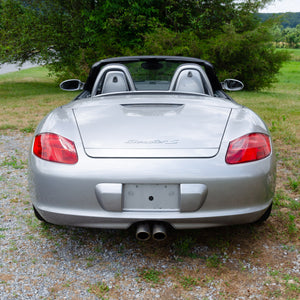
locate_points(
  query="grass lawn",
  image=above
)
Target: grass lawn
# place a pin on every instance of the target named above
(26, 96)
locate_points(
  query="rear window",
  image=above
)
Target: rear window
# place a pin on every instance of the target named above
(152, 75)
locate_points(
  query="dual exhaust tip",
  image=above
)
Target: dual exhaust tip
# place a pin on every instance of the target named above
(143, 231)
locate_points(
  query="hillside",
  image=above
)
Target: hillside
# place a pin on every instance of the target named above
(288, 19)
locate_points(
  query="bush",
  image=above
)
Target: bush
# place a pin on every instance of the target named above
(248, 56)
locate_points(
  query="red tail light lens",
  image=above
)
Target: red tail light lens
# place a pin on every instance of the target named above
(53, 147)
(250, 147)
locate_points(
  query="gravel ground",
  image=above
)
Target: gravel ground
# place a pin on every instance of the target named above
(41, 261)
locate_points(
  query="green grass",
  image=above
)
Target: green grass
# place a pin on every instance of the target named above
(37, 73)
(188, 282)
(295, 54)
(151, 275)
(26, 96)
(13, 162)
(100, 289)
(184, 246)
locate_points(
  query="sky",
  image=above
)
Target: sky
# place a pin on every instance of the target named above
(282, 6)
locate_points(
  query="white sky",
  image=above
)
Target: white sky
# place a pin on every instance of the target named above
(282, 6)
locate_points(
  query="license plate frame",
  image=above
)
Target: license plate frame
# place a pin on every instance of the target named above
(151, 197)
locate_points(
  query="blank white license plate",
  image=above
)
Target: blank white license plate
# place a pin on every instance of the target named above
(141, 197)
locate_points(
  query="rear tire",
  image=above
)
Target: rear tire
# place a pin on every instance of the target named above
(38, 216)
(266, 215)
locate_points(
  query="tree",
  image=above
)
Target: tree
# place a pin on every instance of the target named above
(288, 37)
(292, 36)
(71, 35)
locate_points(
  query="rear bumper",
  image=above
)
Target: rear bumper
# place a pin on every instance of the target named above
(177, 220)
(69, 195)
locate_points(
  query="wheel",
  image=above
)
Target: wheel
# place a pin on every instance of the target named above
(38, 216)
(266, 215)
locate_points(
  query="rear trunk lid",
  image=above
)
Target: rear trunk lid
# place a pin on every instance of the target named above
(152, 129)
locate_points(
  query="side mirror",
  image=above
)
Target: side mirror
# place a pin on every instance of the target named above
(232, 85)
(71, 85)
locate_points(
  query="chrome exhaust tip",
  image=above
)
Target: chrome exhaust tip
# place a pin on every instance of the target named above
(159, 232)
(143, 232)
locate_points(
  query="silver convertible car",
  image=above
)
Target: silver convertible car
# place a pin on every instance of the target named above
(154, 142)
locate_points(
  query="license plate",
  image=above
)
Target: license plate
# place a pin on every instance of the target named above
(142, 197)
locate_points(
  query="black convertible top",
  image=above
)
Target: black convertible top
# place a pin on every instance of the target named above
(209, 69)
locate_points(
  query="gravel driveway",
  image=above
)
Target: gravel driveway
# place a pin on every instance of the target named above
(41, 261)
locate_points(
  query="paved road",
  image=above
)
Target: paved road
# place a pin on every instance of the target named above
(7, 68)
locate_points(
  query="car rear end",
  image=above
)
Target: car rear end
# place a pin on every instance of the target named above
(155, 163)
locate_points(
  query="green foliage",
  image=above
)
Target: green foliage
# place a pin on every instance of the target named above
(13, 162)
(248, 56)
(213, 261)
(163, 41)
(151, 275)
(188, 282)
(184, 246)
(71, 35)
(289, 19)
(100, 289)
(288, 37)
(294, 184)
(28, 129)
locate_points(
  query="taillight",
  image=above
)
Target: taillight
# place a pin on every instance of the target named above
(250, 147)
(53, 147)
